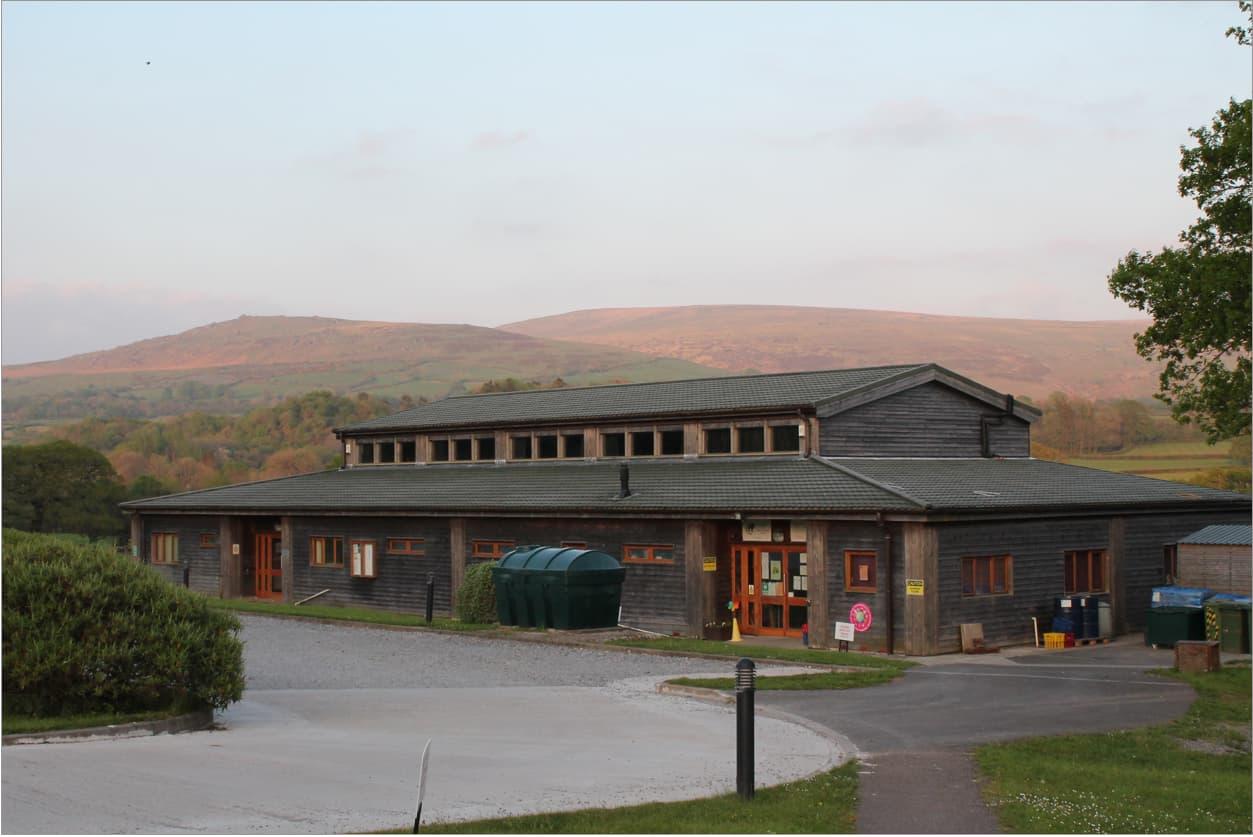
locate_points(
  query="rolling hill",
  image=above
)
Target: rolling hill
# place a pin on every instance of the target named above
(231, 366)
(1025, 357)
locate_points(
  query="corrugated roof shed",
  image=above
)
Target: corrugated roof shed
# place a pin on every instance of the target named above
(1222, 535)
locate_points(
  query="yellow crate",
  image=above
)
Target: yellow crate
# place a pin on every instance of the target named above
(1054, 640)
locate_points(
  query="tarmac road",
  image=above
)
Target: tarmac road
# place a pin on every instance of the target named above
(328, 736)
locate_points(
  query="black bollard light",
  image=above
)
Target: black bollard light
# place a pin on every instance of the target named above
(430, 597)
(745, 691)
(187, 576)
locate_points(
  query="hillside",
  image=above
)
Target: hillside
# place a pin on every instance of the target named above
(1025, 357)
(232, 366)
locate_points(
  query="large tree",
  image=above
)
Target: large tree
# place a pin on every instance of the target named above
(1199, 292)
(61, 487)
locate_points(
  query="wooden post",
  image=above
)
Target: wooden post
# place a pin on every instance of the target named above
(820, 628)
(715, 611)
(456, 556)
(1118, 575)
(137, 536)
(693, 556)
(691, 440)
(922, 613)
(228, 562)
(286, 552)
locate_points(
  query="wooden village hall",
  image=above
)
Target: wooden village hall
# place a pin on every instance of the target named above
(905, 495)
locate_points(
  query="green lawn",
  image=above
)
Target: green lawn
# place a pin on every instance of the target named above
(822, 804)
(25, 724)
(1188, 776)
(348, 614)
(794, 682)
(765, 652)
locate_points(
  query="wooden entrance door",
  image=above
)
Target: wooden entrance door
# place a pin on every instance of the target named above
(268, 563)
(770, 586)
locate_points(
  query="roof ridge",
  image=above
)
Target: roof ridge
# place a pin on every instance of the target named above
(881, 486)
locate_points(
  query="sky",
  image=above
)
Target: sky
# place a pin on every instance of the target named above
(169, 165)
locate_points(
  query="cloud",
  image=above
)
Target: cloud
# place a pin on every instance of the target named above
(496, 140)
(919, 122)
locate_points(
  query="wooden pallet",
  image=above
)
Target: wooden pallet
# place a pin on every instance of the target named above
(1100, 640)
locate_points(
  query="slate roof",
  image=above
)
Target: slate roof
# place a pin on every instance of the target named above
(760, 484)
(1004, 484)
(790, 484)
(791, 390)
(1222, 535)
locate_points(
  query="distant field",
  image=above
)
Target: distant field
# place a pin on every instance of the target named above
(1163, 460)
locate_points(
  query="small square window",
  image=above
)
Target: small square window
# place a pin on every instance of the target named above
(573, 445)
(644, 443)
(718, 440)
(325, 551)
(164, 548)
(861, 571)
(486, 447)
(613, 444)
(439, 450)
(365, 453)
(408, 451)
(751, 439)
(521, 447)
(463, 450)
(785, 437)
(672, 442)
(208, 540)
(387, 452)
(547, 447)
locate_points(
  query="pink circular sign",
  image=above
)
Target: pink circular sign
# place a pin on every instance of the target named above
(861, 617)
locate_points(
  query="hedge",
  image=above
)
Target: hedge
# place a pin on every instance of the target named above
(88, 630)
(476, 598)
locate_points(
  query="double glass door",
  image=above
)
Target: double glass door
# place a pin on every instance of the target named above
(770, 586)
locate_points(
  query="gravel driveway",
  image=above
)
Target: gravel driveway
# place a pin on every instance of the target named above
(329, 732)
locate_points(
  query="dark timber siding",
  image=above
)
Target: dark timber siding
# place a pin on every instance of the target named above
(865, 537)
(928, 420)
(1146, 537)
(205, 562)
(401, 580)
(653, 595)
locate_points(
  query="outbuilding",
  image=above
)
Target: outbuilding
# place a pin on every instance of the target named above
(902, 499)
(1217, 558)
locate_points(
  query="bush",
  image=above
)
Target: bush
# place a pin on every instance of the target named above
(476, 598)
(87, 630)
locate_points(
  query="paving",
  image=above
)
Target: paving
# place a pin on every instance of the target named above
(915, 734)
(328, 736)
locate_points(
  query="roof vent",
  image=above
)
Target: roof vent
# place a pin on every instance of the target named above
(624, 481)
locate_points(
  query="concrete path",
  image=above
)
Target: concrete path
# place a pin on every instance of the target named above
(341, 759)
(915, 735)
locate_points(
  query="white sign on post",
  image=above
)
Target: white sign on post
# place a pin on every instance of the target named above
(844, 631)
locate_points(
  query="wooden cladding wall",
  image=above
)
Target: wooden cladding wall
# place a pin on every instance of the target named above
(654, 596)
(864, 537)
(928, 420)
(1038, 576)
(204, 561)
(1224, 569)
(1145, 538)
(400, 583)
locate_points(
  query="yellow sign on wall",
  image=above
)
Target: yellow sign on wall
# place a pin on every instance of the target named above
(915, 587)
(711, 564)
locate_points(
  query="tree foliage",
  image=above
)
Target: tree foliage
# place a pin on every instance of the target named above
(61, 487)
(1199, 293)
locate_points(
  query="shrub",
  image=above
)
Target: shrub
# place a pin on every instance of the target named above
(87, 630)
(476, 598)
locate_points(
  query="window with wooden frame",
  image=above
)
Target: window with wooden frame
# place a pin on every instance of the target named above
(405, 546)
(546, 446)
(573, 445)
(490, 550)
(485, 448)
(164, 548)
(717, 440)
(1085, 571)
(208, 540)
(326, 551)
(785, 438)
(574, 544)
(648, 554)
(408, 451)
(1170, 563)
(439, 450)
(613, 443)
(750, 439)
(861, 571)
(644, 443)
(671, 441)
(362, 564)
(365, 453)
(463, 450)
(520, 447)
(387, 452)
(988, 575)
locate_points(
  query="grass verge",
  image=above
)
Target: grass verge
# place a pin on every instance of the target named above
(27, 725)
(765, 652)
(822, 804)
(348, 614)
(1188, 776)
(793, 682)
